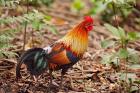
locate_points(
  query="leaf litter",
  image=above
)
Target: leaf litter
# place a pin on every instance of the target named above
(87, 76)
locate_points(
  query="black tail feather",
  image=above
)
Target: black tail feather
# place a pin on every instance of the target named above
(32, 58)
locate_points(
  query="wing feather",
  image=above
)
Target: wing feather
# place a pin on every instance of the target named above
(58, 55)
(61, 56)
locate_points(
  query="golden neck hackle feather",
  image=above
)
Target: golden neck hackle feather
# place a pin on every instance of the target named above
(76, 40)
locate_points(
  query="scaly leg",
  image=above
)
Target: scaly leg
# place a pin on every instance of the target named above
(61, 83)
(34, 78)
(50, 72)
(50, 83)
(64, 70)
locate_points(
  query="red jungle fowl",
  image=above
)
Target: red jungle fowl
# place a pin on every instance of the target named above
(61, 55)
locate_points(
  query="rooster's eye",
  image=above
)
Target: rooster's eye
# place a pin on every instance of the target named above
(89, 27)
(87, 24)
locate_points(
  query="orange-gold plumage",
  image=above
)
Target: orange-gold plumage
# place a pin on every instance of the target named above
(77, 38)
(63, 54)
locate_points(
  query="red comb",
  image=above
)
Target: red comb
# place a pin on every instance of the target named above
(88, 19)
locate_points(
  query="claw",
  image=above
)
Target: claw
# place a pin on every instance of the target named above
(34, 78)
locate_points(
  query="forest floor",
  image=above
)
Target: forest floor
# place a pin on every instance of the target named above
(87, 76)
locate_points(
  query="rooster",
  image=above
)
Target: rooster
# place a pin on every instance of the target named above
(61, 55)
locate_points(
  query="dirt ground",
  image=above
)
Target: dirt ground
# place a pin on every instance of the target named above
(87, 76)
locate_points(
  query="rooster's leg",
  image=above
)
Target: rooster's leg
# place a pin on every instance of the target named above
(50, 72)
(64, 70)
(61, 83)
(50, 83)
(34, 78)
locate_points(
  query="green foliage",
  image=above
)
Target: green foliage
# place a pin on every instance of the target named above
(107, 43)
(135, 66)
(77, 5)
(108, 58)
(48, 18)
(12, 4)
(37, 25)
(122, 53)
(121, 35)
(133, 56)
(131, 76)
(36, 20)
(132, 36)
(108, 8)
(30, 17)
(118, 32)
(122, 39)
(38, 2)
(98, 7)
(131, 82)
(5, 38)
(47, 2)
(52, 29)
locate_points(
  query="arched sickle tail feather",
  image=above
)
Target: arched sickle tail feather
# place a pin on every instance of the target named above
(31, 59)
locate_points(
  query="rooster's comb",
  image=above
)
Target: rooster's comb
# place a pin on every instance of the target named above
(88, 19)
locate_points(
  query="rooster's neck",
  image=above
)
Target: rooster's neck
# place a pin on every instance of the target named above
(76, 40)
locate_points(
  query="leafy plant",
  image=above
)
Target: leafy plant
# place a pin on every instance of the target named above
(120, 34)
(47, 2)
(9, 3)
(5, 38)
(106, 8)
(131, 83)
(38, 2)
(36, 20)
(121, 53)
(122, 40)
(77, 5)
(98, 7)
